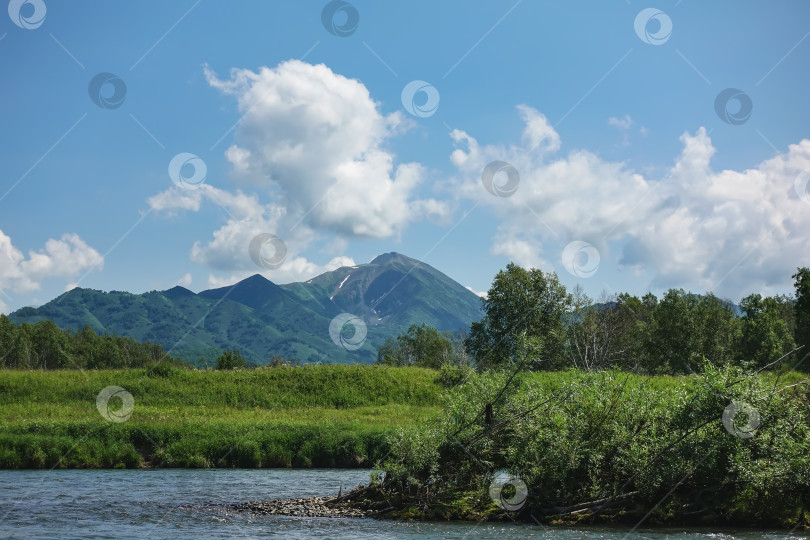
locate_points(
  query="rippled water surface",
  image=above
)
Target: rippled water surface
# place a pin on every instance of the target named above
(183, 504)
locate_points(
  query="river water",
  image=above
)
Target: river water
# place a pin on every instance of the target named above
(175, 503)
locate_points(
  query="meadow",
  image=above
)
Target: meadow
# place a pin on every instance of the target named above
(313, 416)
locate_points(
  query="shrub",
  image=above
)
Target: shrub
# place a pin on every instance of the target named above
(231, 360)
(161, 369)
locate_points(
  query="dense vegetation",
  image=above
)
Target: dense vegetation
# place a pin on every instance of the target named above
(598, 438)
(530, 318)
(313, 416)
(45, 346)
(532, 322)
(722, 447)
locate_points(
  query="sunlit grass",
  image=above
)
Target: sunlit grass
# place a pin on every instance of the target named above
(307, 416)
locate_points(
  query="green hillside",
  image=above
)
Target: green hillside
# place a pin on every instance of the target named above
(264, 320)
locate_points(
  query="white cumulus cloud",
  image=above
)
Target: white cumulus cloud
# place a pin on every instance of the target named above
(730, 231)
(66, 257)
(185, 281)
(477, 293)
(294, 269)
(227, 252)
(321, 138)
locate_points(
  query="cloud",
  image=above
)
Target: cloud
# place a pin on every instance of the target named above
(185, 281)
(296, 269)
(477, 293)
(321, 139)
(538, 135)
(67, 258)
(523, 251)
(733, 232)
(624, 123)
(227, 252)
(315, 143)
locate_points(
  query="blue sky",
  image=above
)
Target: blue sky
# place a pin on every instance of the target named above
(620, 152)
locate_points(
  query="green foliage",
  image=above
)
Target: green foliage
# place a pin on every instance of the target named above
(685, 328)
(612, 333)
(523, 320)
(162, 369)
(421, 345)
(390, 354)
(43, 345)
(231, 360)
(450, 375)
(529, 317)
(802, 310)
(575, 437)
(765, 336)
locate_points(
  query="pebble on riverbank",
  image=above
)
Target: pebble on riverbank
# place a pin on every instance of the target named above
(346, 506)
(307, 507)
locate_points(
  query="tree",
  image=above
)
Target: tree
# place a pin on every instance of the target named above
(717, 330)
(765, 336)
(523, 320)
(672, 338)
(231, 359)
(422, 345)
(458, 356)
(8, 336)
(389, 353)
(425, 346)
(44, 345)
(635, 317)
(51, 346)
(802, 310)
(598, 333)
(685, 328)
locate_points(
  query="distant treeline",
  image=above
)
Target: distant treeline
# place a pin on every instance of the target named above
(45, 346)
(531, 320)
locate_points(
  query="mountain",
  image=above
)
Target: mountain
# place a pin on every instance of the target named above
(263, 319)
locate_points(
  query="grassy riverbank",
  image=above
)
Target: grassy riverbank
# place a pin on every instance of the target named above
(314, 416)
(726, 446)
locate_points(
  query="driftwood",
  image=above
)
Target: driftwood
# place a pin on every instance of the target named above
(353, 494)
(383, 511)
(581, 508)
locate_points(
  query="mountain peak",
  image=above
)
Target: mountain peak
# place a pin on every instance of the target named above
(392, 257)
(177, 292)
(253, 291)
(256, 279)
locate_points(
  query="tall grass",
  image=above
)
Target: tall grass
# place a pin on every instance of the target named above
(313, 416)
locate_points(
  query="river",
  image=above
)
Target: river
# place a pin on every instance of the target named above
(179, 503)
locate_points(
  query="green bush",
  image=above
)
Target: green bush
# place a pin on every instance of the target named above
(161, 369)
(450, 375)
(231, 360)
(577, 437)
